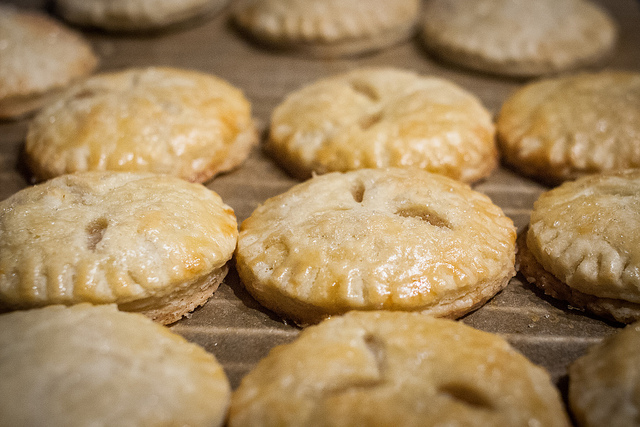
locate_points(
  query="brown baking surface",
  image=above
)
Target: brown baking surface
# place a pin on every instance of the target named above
(233, 326)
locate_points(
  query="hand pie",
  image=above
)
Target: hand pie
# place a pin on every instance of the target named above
(394, 239)
(518, 37)
(396, 369)
(583, 241)
(150, 243)
(603, 384)
(161, 120)
(566, 127)
(94, 365)
(328, 28)
(383, 117)
(134, 15)
(38, 57)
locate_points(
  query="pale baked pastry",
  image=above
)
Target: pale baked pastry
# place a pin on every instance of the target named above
(38, 57)
(603, 384)
(383, 117)
(583, 244)
(518, 37)
(395, 239)
(328, 28)
(566, 127)
(156, 119)
(396, 369)
(134, 15)
(94, 365)
(150, 243)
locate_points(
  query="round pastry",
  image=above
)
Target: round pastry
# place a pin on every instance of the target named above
(150, 243)
(583, 241)
(383, 117)
(603, 384)
(396, 369)
(38, 57)
(395, 239)
(94, 365)
(518, 37)
(563, 128)
(328, 28)
(134, 15)
(161, 120)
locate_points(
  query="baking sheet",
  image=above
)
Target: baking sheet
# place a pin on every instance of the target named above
(232, 325)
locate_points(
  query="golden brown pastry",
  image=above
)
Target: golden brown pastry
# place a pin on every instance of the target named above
(38, 57)
(518, 37)
(566, 127)
(134, 15)
(93, 365)
(383, 117)
(603, 384)
(150, 243)
(582, 244)
(328, 28)
(396, 369)
(394, 239)
(157, 119)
